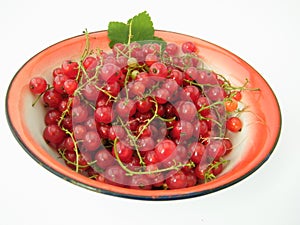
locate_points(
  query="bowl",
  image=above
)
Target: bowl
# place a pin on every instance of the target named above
(254, 144)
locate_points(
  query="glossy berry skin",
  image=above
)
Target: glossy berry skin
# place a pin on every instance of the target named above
(164, 149)
(70, 68)
(144, 105)
(182, 130)
(58, 83)
(188, 47)
(52, 98)
(187, 111)
(162, 95)
(123, 152)
(200, 171)
(53, 134)
(57, 71)
(104, 114)
(172, 49)
(177, 181)
(234, 124)
(215, 149)
(70, 86)
(158, 69)
(90, 63)
(91, 141)
(37, 85)
(52, 116)
(197, 150)
(110, 72)
(104, 158)
(237, 96)
(231, 105)
(177, 75)
(150, 59)
(125, 109)
(115, 175)
(80, 114)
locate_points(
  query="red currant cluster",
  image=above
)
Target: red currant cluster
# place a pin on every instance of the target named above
(145, 115)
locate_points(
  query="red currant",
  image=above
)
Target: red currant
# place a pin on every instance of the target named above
(37, 85)
(234, 124)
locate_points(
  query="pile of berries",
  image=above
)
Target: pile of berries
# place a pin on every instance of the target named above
(145, 115)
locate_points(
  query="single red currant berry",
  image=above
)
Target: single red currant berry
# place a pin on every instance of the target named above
(200, 172)
(110, 72)
(70, 86)
(57, 71)
(53, 134)
(125, 108)
(103, 114)
(198, 152)
(80, 114)
(150, 157)
(90, 63)
(237, 96)
(172, 49)
(52, 116)
(158, 69)
(231, 105)
(177, 180)
(215, 149)
(91, 141)
(79, 131)
(162, 95)
(70, 68)
(123, 152)
(37, 85)
(177, 75)
(234, 124)
(164, 149)
(52, 98)
(188, 47)
(217, 168)
(104, 158)
(115, 175)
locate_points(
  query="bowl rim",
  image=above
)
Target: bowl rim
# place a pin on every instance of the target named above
(169, 195)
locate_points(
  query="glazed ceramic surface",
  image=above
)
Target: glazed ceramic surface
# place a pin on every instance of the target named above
(253, 146)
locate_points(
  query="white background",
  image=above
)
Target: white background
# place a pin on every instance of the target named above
(265, 33)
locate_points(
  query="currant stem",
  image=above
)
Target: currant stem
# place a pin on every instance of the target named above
(176, 167)
(148, 121)
(208, 174)
(75, 147)
(40, 95)
(129, 33)
(65, 112)
(133, 140)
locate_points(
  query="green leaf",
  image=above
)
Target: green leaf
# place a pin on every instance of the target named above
(138, 28)
(141, 27)
(118, 32)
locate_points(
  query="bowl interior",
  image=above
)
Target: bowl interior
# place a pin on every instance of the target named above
(253, 145)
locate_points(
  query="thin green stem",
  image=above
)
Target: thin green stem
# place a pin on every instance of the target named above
(129, 33)
(75, 148)
(133, 140)
(40, 95)
(65, 112)
(129, 172)
(148, 121)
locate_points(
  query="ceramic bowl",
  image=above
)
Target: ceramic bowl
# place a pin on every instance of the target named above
(254, 145)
